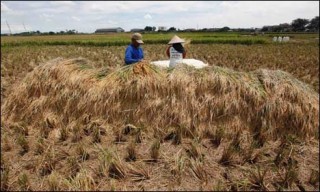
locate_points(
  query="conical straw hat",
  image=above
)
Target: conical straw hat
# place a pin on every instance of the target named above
(176, 39)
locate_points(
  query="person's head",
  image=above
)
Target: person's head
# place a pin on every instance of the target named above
(175, 39)
(136, 39)
(178, 47)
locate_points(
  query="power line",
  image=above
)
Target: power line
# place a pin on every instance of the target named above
(9, 27)
(24, 27)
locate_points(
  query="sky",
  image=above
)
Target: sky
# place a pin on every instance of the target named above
(87, 16)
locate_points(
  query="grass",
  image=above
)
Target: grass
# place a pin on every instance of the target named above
(124, 39)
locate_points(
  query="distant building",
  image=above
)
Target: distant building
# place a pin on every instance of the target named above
(136, 30)
(110, 30)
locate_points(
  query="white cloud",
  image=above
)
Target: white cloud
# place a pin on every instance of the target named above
(75, 18)
(62, 3)
(112, 22)
(46, 17)
(4, 7)
(51, 15)
(147, 16)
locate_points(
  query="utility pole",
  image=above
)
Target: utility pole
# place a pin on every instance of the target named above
(8, 27)
(24, 27)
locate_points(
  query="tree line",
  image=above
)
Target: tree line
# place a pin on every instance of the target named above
(297, 25)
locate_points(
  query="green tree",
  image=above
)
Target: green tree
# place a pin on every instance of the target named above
(172, 29)
(314, 24)
(299, 24)
(224, 29)
(148, 28)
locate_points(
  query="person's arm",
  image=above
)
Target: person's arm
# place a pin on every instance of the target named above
(184, 54)
(142, 54)
(128, 57)
(168, 52)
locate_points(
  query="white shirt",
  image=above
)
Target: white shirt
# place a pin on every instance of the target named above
(175, 57)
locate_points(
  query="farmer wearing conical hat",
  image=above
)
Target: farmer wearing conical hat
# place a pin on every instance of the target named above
(175, 51)
(134, 52)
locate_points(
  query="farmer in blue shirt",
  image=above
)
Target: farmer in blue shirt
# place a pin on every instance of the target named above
(134, 52)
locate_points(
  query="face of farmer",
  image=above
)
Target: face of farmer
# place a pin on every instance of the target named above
(135, 43)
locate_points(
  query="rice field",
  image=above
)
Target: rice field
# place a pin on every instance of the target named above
(74, 118)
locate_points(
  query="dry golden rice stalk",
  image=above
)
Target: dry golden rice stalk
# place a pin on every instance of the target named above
(23, 142)
(132, 154)
(155, 149)
(198, 170)
(138, 173)
(194, 151)
(257, 179)
(63, 133)
(82, 152)
(54, 181)
(314, 177)
(117, 170)
(82, 182)
(6, 146)
(40, 146)
(5, 170)
(227, 156)
(24, 183)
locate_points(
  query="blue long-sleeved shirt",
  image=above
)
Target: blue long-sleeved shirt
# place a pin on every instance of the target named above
(133, 54)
